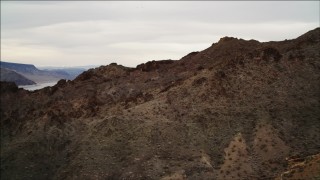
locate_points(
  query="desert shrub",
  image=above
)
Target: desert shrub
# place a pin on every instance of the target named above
(271, 54)
(220, 74)
(200, 68)
(263, 146)
(279, 68)
(199, 81)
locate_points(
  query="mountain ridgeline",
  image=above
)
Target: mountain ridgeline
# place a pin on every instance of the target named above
(236, 110)
(23, 68)
(25, 74)
(12, 76)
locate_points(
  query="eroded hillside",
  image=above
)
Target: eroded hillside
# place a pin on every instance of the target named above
(235, 110)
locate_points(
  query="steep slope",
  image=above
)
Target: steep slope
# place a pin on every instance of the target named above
(31, 72)
(236, 110)
(23, 68)
(12, 76)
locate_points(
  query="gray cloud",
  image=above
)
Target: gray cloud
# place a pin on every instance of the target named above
(81, 33)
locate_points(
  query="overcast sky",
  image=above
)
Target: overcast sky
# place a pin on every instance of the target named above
(57, 33)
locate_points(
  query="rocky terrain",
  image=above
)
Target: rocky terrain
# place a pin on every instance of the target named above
(236, 110)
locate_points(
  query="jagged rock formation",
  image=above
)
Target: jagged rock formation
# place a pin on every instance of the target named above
(235, 110)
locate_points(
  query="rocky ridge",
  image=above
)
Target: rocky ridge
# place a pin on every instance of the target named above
(235, 110)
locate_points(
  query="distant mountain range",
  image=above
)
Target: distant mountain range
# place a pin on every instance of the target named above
(11, 76)
(25, 74)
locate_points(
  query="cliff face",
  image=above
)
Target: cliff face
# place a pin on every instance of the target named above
(11, 76)
(235, 110)
(32, 73)
(23, 68)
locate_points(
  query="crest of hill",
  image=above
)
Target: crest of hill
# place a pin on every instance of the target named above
(235, 110)
(225, 50)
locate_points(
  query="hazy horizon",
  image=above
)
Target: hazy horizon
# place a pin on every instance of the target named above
(82, 33)
(56, 66)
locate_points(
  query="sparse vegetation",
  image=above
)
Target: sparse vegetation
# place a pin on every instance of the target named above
(255, 106)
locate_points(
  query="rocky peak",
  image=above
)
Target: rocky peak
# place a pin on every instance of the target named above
(153, 65)
(112, 70)
(235, 110)
(227, 39)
